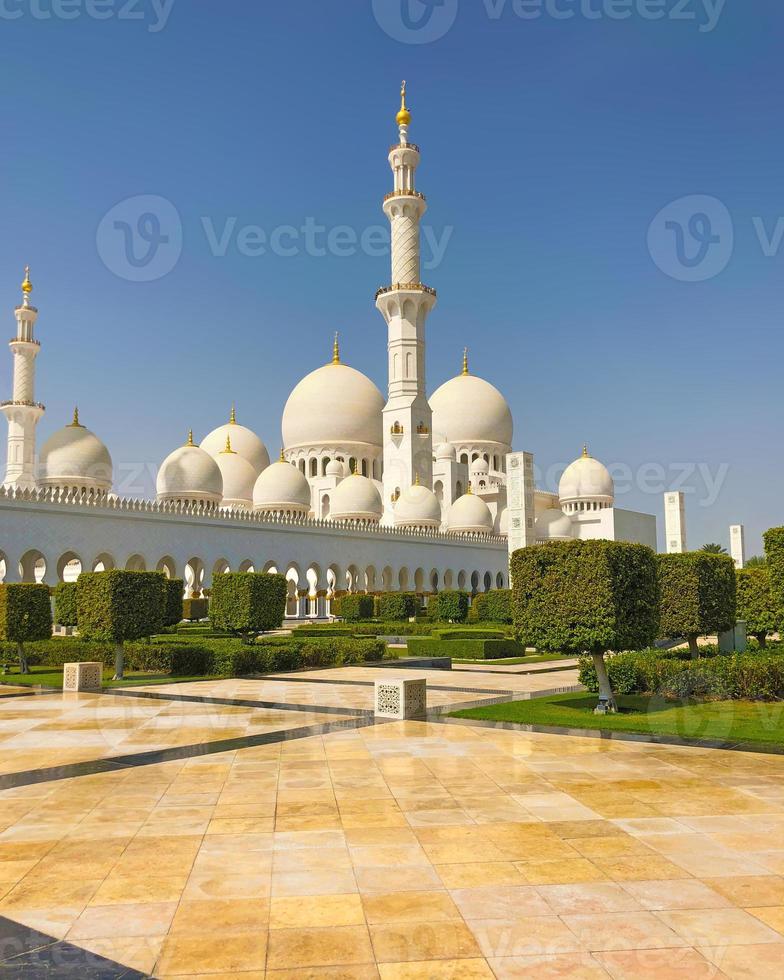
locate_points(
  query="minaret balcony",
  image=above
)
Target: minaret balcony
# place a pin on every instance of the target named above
(23, 404)
(410, 287)
(404, 146)
(404, 193)
(24, 341)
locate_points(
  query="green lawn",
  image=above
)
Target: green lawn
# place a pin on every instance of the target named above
(533, 659)
(732, 721)
(53, 677)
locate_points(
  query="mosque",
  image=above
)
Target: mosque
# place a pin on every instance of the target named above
(369, 493)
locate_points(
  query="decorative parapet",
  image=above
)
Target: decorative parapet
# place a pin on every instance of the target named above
(53, 496)
(21, 404)
(405, 193)
(406, 287)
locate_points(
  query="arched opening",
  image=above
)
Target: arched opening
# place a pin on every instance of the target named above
(499, 580)
(247, 565)
(325, 507)
(220, 567)
(474, 582)
(419, 580)
(136, 563)
(270, 568)
(194, 577)
(302, 466)
(104, 563)
(370, 578)
(324, 464)
(32, 567)
(402, 579)
(352, 465)
(434, 580)
(314, 467)
(69, 567)
(292, 593)
(3, 566)
(438, 490)
(461, 580)
(488, 581)
(168, 566)
(353, 579)
(458, 489)
(313, 577)
(464, 458)
(386, 579)
(449, 579)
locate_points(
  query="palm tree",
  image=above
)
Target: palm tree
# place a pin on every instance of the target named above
(714, 549)
(757, 561)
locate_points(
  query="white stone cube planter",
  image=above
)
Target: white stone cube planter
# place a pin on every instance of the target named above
(401, 699)
(82, 677)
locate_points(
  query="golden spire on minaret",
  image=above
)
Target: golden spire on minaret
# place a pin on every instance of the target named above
(27, 286)
(404, 116)
(336, 349)
(465, 361)
(76, 424)
(233, 416)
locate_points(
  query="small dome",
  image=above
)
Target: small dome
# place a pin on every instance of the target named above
(282, 488)
(480, 467)
(468, 409)
(190, 474)
(356, 499)
(445, 450)
(417, 507)
(244, 442)
(503, 522)
(333, 405)
(586, 479)
(554, 525)
(469, 514)
(239, 478)
(336, 468)
(75, 457)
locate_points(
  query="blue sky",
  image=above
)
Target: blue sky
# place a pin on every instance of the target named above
(550, 146)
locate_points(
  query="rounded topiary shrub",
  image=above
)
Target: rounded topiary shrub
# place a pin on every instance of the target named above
(65, 613)
(354, 608)
(397, 607)
(450, 607)
(493, 607)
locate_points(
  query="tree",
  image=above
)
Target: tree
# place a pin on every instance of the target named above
(354, 607)
(756, 561)
(248, 603)
(449, 606)
(774, 552)
(756, 605)
(118, 606)
(173, 613)
(25, 617)
(698, 596)
(65, 604)
(589, 597)
(714, 549)
(494, 606)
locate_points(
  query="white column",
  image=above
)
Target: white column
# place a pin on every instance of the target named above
(520, 500)
(22, 411)
(405, 305)
(675, 523)
(738, 545)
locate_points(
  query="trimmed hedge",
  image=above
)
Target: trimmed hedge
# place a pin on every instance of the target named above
(698, 595)
(740, 676)
(248, 603)
(194, 610)
(172, 613)
(25, 616)
(455, 633)
(774, 552)
(65, 611)
(354, 607)
(233, 659)
(756, 604)
(450, 605)
(464, 649)
(494, 606)
(397, 606)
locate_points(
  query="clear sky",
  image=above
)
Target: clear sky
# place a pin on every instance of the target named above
(551, 145)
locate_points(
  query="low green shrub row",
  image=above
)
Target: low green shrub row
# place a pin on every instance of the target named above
(456, 633)
(494, 606)
(740, 676)
(378, 628)
(195, 609)
(354, 607)
(421, 646)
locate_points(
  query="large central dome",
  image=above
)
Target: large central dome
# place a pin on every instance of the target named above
(333, 405)
(467, 410)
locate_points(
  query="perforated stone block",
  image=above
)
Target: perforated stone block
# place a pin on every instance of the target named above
(404, 699)
(82, 677)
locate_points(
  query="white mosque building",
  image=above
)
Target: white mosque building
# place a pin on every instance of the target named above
(370, 493)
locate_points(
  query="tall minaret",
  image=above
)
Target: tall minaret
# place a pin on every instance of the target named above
(405, 304)
(23, 412)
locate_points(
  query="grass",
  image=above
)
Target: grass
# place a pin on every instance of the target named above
(53, 677)
(731, 721)
(533, 659)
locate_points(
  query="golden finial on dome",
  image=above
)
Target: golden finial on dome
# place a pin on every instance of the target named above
(282, 458)
(190, 441)
(76, 424)
(465, 362)
(233, 416)
(470, 489)
(404, 116)
(336, 349)
(586, 454)
(416, 479)
(27, 286)
(228, 448)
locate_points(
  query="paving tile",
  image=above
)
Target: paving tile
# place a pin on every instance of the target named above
(302, 948)
(190, 955)
(525, 936)
(712, 927)
(661, 964)
(566, 966)
(422, 940)
(316, 911)
(623, 930)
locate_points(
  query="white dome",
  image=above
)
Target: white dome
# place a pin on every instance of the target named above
(445, 450)
(586, 479)
(244, 442)
(189, 473)
(553, 525)
(239, 478)
(334, 405)
(336, 468)
(470, 514)
(417, 507)
(281, 487)
(503, 521)
(479, 467)
(468, 410)
(356, 499)
(75, 457)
